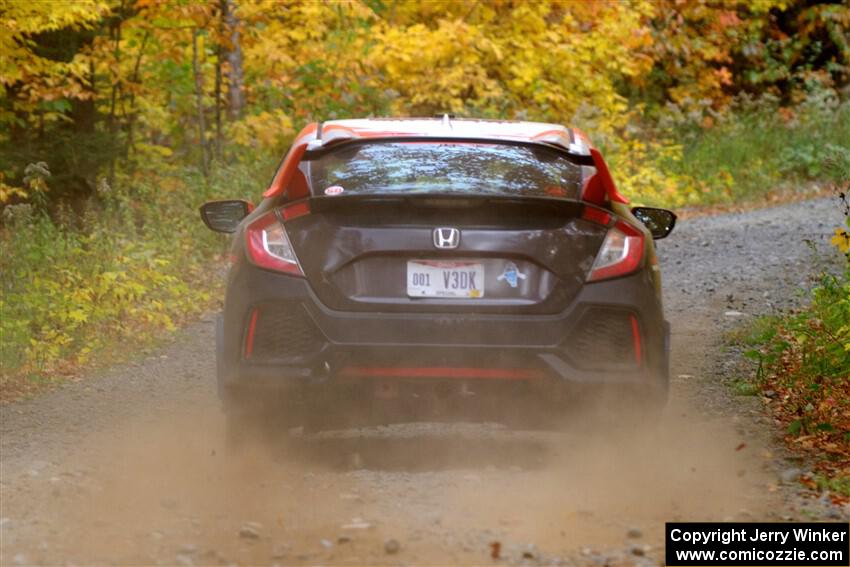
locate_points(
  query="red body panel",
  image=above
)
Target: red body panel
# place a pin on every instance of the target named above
(442, 372)
(595, 192)
(287, 170)
(249, 339)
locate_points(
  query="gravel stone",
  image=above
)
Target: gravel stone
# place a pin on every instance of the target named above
(250, 530)
(392, 546)
(790, 475)
(638, 550)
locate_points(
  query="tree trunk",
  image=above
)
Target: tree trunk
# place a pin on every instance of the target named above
(218, 136)
(219, 53)
(83, 111)
(116, 85)
(199, 97)
(131, 119)
(234, 59)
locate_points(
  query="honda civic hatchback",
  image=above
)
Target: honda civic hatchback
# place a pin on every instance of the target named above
(412, 268)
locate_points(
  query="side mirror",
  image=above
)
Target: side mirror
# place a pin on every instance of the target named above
(660, 222)
(225, 216)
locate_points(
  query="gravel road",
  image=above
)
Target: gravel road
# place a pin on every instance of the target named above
(127, 466)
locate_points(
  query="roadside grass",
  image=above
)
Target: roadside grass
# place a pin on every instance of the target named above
(803, 374)
(803, 379)
(765, 147)
(744, 387)
(838, 485)
(758, 152)
(18, 386)
(81, 290)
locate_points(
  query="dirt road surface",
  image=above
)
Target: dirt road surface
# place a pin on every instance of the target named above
(127, 467)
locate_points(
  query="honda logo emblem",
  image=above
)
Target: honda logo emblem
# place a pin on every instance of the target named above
(446, 237)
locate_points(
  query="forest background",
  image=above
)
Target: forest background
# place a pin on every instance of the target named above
(118, 118)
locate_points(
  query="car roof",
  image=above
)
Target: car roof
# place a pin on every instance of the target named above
(326, 133)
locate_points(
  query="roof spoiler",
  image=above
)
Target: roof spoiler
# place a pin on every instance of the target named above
(599, 189)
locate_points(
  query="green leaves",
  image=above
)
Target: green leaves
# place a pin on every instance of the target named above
(744, 388)
(795, 427)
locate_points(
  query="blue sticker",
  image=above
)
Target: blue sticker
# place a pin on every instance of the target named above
(512, 275)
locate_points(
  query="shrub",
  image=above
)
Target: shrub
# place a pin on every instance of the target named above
(136, 264)
(756, 147)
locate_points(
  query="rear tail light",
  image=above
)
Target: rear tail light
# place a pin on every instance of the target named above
(269, 246)
(620, 254)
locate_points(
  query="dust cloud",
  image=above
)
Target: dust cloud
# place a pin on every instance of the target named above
(164, 490)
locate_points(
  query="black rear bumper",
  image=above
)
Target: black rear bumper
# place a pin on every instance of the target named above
(297, 340)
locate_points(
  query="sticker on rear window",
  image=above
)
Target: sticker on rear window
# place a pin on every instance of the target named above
(334, 190)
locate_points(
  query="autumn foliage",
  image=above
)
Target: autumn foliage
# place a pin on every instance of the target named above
(132, 82)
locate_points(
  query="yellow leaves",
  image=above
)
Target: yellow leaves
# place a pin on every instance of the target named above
(7, 192)
(146, 150)
(72, 292)
(282, 36)
(264, 131)
(20, 19)
(436, 70)
(78, 316)
(764, 6)
(640, 165)
(841, 240)
(538, 60)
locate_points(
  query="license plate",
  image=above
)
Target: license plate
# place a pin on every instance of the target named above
(431, 278)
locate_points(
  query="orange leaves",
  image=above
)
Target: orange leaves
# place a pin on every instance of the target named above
(724, 76)
(728, 19)
(695, 43)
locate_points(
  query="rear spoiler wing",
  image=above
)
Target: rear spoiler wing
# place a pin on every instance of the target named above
(598, 189)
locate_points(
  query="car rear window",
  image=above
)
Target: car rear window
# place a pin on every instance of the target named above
(445, 167)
